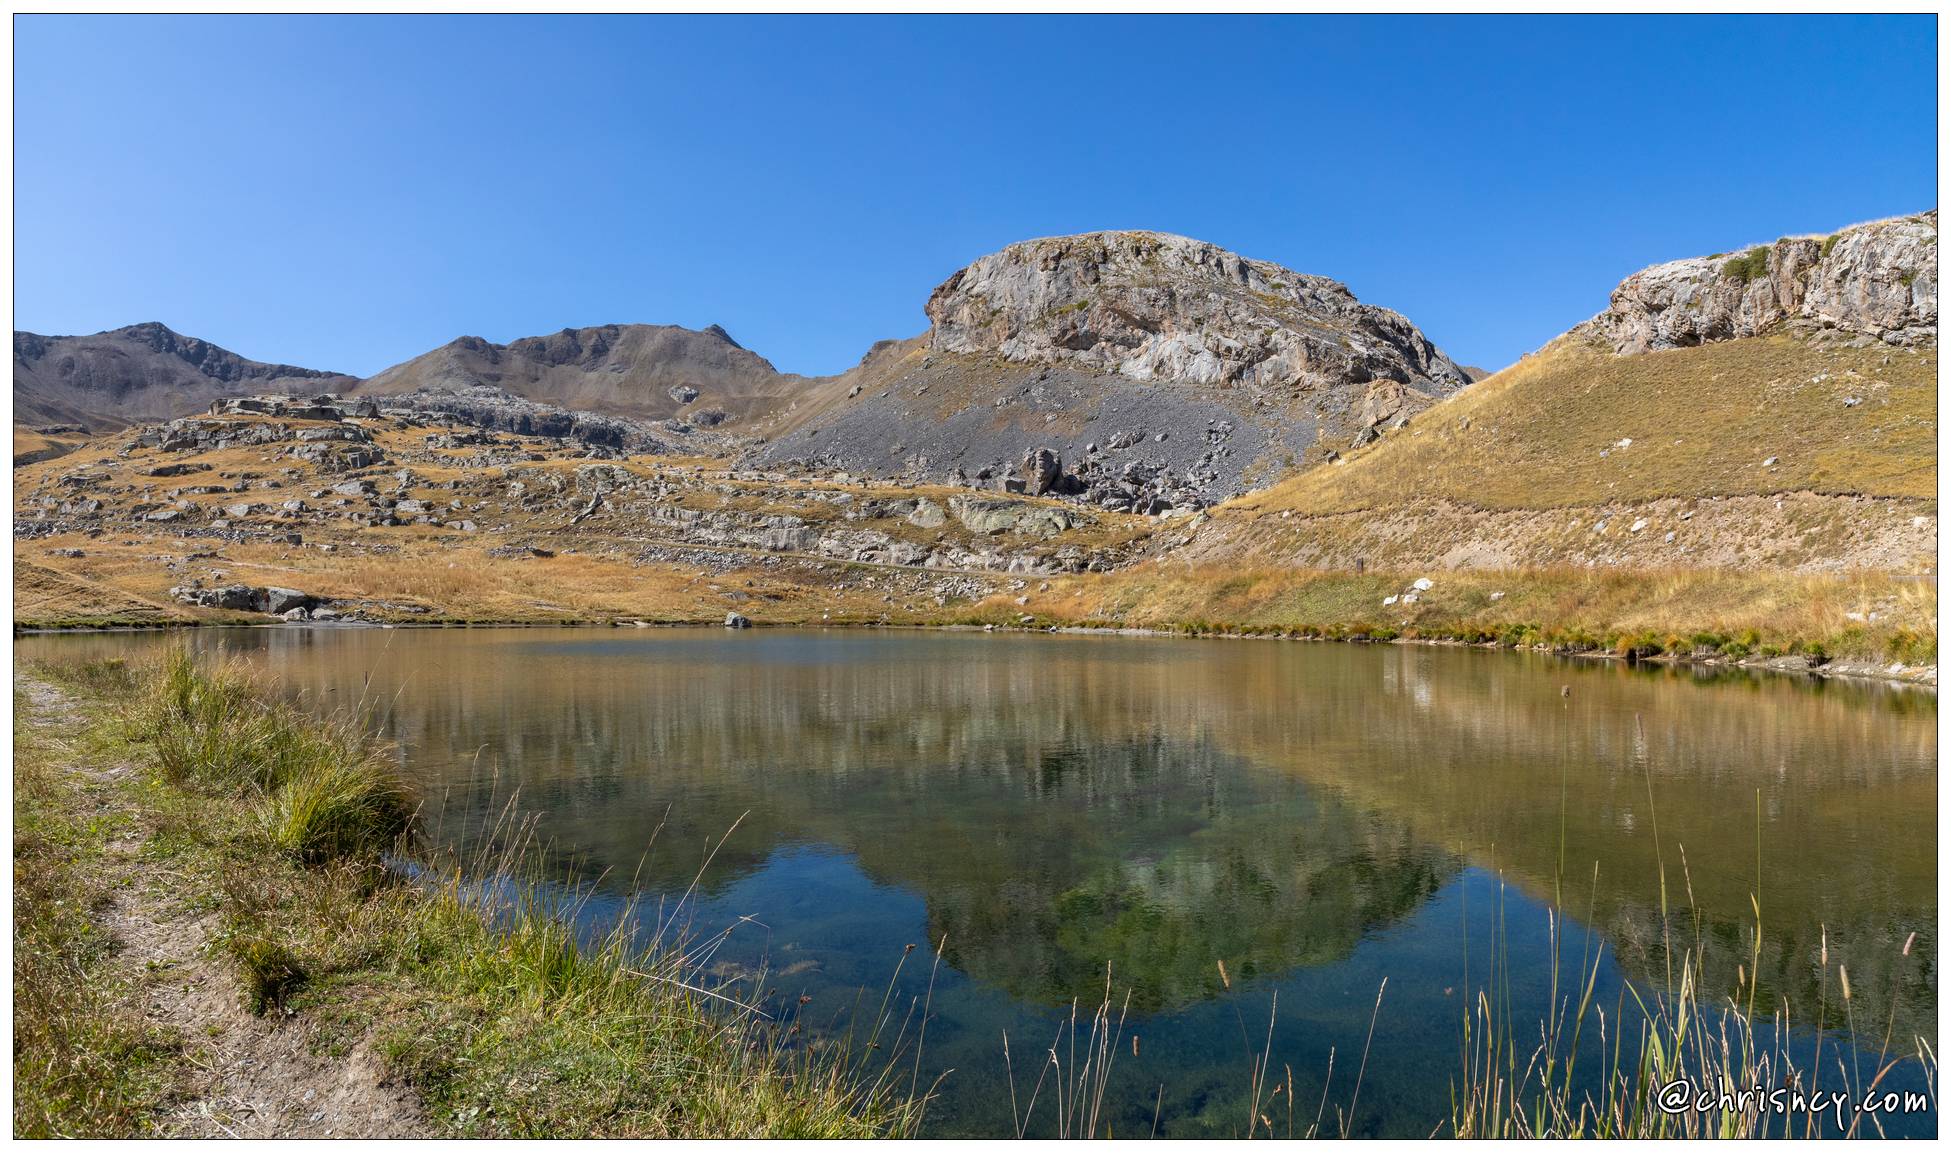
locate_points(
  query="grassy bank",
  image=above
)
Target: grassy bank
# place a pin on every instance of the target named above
(279, 837)
(1681, 613)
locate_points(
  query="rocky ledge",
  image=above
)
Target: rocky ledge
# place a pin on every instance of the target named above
(1874, 281)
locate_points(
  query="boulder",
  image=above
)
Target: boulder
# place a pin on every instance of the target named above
(927, 514)
(1041, 468)
(279, 601)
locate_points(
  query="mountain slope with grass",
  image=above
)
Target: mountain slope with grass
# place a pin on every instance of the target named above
(1808, 443)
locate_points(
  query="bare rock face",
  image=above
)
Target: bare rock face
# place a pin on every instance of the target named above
(1157, 307)
(1877, 281)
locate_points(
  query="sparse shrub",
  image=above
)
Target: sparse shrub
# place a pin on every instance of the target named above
(1910, 647)
(1750, 265)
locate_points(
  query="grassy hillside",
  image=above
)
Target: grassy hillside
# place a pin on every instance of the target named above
(1547, 432)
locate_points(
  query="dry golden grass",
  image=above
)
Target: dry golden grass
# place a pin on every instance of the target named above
(1701, 421)
(429, 579)
(1676, 610)
(31, 447)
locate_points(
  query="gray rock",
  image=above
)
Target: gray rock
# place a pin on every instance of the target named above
(735, 620)
(1877, 279)
(1153, 306)
(279, 601)
(928, 514)
(991, 517)
(1041, 468)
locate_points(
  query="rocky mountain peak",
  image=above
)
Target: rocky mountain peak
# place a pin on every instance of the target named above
(1875, 281)
(1159, 307)
(138, 372)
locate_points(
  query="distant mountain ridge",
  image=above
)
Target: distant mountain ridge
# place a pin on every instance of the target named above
(140, 373)
(644, 371)
(1135, 370)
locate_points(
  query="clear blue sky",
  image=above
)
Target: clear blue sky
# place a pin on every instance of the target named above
(348, 192)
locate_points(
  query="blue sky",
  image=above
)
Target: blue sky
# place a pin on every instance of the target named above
(348, 192)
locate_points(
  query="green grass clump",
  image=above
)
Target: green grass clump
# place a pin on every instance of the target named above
(1750, 265)
(348, 807)
(319, 788)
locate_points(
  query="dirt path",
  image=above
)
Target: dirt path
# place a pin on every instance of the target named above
(248, 1076)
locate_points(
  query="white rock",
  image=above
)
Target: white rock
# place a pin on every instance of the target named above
(1423, 584)
(1637, 525)
(1770, 462)
(1390, 600)
(1497, 596)
(1626, 442)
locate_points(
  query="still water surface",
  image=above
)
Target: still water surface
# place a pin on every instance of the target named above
(1317, 817)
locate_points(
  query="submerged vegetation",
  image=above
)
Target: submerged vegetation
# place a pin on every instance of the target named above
(482, 997)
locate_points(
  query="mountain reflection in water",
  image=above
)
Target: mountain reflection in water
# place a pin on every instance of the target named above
(1315, 816)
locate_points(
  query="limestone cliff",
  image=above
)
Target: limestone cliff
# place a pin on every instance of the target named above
(1874, 281)
(1156, 307)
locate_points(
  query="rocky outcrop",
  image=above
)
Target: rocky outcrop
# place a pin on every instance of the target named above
(1875, 281)
(1135, 371)
(1157, 307)
(481, 407)
(280, 602)
(489, 408)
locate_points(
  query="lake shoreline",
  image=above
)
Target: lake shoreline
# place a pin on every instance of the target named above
(1918, 676)
(279, 975)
